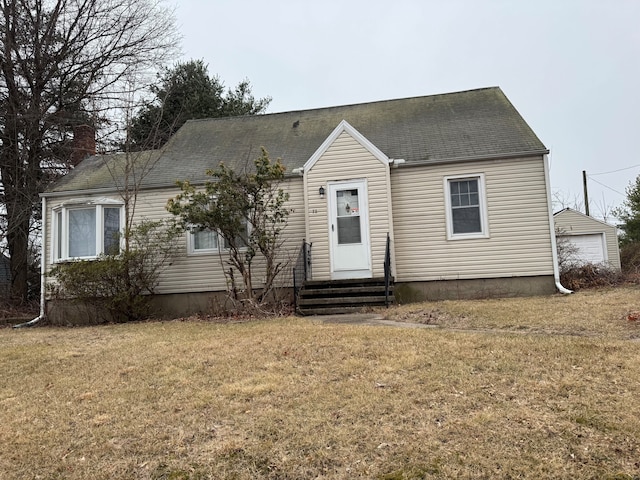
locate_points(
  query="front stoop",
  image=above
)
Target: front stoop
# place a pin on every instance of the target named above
(318, 297)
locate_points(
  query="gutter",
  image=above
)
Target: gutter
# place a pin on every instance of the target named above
(43, 257)
(440, 161)
(554, 250)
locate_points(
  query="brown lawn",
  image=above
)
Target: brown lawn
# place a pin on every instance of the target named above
(545, 387)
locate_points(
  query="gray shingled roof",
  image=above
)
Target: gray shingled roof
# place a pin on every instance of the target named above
(432, 129)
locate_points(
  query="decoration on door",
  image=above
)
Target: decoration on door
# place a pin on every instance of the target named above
(347, 203)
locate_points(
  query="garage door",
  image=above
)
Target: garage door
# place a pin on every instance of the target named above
(590, 248)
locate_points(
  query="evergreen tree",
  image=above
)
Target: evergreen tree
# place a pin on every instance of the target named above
(185, 92)
(629, 214)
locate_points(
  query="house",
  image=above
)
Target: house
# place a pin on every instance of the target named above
(458, 182)
(594, 241)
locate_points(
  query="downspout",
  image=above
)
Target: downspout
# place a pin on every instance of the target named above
(43, 257)
(554, 250)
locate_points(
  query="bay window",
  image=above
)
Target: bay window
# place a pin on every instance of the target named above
(86, 230)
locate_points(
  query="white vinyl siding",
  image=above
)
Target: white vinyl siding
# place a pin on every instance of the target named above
(187, 273)
(570, 222)
(204, 273)
(347, 159)
(517, 216)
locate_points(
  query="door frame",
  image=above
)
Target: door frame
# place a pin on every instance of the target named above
(363, 201)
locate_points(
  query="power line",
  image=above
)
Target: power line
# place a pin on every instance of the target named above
(614, 171)
(606, 186)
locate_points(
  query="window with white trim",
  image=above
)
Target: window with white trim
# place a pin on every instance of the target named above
(466, 208)
(86, 230)
(203, 242)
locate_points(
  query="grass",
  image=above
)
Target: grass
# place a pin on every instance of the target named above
(294, 399)
(600, 312)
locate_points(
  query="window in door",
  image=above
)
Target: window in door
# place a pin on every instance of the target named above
(348, 216)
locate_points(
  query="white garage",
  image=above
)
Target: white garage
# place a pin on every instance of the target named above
(595, 241)
(590, 248)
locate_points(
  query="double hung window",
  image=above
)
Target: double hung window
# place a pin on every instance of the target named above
(203, 242)
(466, 207)
(86, 230)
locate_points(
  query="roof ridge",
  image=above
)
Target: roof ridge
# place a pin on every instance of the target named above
(347, 105)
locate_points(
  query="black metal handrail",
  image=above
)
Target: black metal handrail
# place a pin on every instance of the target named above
(387, 270)
(301, 271)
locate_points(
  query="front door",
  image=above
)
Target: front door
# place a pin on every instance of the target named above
(349, 229)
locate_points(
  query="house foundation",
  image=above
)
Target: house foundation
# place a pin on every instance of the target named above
(408, 292)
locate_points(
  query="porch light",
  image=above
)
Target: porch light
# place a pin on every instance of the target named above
(321, 191)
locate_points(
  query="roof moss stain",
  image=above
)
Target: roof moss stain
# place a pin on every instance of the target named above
(436, 128)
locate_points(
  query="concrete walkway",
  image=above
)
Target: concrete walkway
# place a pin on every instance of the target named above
(365, 319)
(375, 319)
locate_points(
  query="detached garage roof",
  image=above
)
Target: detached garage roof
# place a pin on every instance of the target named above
(454, 127)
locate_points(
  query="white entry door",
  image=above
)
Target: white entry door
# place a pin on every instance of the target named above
(349, 230)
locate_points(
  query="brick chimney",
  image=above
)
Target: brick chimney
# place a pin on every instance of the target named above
(83, 144)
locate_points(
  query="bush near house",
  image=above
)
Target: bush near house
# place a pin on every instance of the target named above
(118, 287)
(248, 209)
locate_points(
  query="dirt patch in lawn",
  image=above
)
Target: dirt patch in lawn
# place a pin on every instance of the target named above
(426, 316)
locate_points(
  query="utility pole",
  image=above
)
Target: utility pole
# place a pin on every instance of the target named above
(586, 194)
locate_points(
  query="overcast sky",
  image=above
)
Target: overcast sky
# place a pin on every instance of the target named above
(570, 67)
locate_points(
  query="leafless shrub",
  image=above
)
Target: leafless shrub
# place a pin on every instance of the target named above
(576, 274)
(567, 252)
(590, 275)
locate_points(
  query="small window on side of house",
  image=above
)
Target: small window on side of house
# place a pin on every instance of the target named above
(207, 242)
(203, 242)
(466, 209)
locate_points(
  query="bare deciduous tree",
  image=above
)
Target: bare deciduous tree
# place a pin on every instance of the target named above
(560, 201)
(62, 64)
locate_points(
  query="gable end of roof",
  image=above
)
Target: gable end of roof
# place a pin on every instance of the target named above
(345, 127)
(571, 211)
